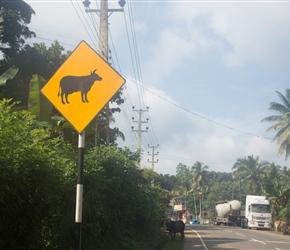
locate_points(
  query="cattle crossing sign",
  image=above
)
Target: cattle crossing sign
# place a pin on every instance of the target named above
(82, 86)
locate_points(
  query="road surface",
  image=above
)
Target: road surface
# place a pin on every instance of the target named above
(202, 237)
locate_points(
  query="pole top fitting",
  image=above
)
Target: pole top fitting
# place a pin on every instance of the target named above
(122, 3)
(86, 3)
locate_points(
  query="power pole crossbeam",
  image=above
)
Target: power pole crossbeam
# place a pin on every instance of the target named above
(153, 154)
(140, 130)
(109, 10)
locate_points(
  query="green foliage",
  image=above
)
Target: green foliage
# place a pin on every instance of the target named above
(223, 188)
(8, 74)
(15, 16)
(37, 192)
(38, 104)
(250, 169)
(282, 122)
(122, 210)
(199, 173)
(32, 184)
(31, 61)
(150, 176)
(284, 213)
(166, 181)
(51, 58)
(250, 176)
(278, 191)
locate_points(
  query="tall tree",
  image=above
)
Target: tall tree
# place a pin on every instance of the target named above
(282, 122)
(183, 185)
(14, 18)
(30, 61)
(166, 181)
(250, 169)
(277, 188)
(199, 173)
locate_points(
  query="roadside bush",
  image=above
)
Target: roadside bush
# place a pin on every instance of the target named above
(32, 182)
(37, 192)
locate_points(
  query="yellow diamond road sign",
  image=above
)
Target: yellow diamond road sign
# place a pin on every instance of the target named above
(82, 86)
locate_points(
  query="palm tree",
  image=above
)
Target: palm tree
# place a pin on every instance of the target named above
(199, 174)
(277, 188)
(282, 122)
(183, 177)
(278, 193)
(251, 170)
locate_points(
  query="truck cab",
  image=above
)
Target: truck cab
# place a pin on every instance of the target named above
(257, 214)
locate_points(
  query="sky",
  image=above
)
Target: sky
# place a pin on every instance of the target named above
(206, 70)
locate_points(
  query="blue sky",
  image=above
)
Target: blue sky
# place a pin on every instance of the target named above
(207, 70)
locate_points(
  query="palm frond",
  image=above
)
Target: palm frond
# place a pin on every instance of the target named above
(272, 118)
(285, 100)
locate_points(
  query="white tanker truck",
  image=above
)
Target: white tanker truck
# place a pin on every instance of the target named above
(228, 213)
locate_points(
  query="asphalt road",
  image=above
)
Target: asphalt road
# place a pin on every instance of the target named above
(202, 237)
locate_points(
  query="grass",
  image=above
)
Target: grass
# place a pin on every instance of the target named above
(174, 245)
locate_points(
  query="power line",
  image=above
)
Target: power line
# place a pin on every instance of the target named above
(200, 116)
(137, 69)
(83, 22)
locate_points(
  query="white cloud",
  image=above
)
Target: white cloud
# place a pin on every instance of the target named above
(249, 31)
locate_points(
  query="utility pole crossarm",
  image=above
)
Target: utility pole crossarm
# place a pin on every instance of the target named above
(139, 130)
(153, 154)
(109, 10)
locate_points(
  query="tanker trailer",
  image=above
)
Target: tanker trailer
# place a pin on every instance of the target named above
(228, 213)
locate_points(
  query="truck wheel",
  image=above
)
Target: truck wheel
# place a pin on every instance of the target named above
(244, 223)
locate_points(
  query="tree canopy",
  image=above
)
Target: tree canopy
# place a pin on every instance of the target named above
(282, 122)
(14, 18)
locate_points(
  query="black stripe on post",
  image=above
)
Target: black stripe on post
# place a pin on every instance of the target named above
(79, 191)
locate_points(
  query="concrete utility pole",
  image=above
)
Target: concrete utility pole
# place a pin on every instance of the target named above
(139, 130)
(1, 27)
(153, 155)
(103, 48)
(103, 51)
(200, 208)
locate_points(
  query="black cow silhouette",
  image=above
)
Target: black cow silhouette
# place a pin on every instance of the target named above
(83, 84)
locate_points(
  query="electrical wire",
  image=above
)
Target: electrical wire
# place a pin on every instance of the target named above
(138, 73)
(82, 21)
(200, 116)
